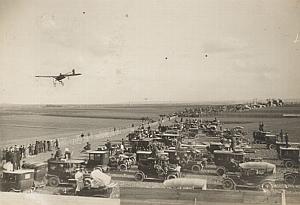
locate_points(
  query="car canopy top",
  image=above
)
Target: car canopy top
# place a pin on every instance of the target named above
(259, 165)
(19, 171)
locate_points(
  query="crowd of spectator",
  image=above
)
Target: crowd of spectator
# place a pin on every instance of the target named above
(14, 154)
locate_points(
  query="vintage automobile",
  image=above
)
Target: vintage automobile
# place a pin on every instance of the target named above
(96, 184)
(121, 162)
(289, 156)
(62, 171)
(154, 168)
(192, 160)
(259, 137)
(97, 158)
(258, 175)
(292, 177)
(17, 181)
(40, 170)
(215, 146)
(227, 161)
(140, 155)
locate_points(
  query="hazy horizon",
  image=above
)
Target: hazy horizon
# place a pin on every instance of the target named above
(134, 52)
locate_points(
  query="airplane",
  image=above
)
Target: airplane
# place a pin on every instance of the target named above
(59, 77)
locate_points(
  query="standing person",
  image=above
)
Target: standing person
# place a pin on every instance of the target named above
(2, 156)
(56, 144)
(281, 135)
(30, 149)
(48, 145)
(14, 160)
(67, 153)
(286, 136)
(108, 146)
(79, 180)
(123, 142)
(18, 159)
(45, 146)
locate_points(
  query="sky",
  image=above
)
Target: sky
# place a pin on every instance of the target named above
(149, 51)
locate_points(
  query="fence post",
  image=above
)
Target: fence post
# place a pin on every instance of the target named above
(283, 200)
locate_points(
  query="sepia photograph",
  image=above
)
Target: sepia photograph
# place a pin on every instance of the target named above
(149, 102)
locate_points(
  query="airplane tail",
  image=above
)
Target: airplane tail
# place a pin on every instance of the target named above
(73, 71)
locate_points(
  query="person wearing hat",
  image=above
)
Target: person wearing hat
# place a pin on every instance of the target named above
(79, 180)
(67, 153)
(58, 154)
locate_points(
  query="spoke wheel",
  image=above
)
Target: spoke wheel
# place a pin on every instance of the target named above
(289, 164)
(228, 184)
(267, 186)
(290, 179)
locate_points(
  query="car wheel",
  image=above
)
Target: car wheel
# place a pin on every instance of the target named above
(290, 179)
(267, 186)
(139, 176)
(228, 184)
(220, 171)
(272, 147)
(53, 181)
(123, 167)
(197, 168)
(172, 176)
(256, 142)
(289, 164)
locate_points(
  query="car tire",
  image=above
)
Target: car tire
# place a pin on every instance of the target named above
(123, 167)
(139, 176)
(53, 181)
(197, 168)
(267, 186)
(220, 171)
(289, 164)
(228, 184)
(290, 179)
(171, 176)
(272, 147)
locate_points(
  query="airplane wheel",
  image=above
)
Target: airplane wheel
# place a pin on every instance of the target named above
(267, 186)
(220, 171)
(123, 167)
(53, 181)
(228, 184)
(197, 168)
(289, 164)
(290, 179)
(139, 176)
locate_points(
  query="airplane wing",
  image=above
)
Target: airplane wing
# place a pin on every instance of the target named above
(45, 76)
(69, 75)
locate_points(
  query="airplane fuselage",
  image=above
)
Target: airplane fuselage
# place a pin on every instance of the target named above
(60, 77)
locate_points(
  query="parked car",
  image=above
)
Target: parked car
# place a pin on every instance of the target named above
(153, 168)
(98, 158)
(259, 137)
(289, 156)
(258, 175)
(17, 181)
(40, 170)
(121, 162)
(140, 155)
(62, 171)
(227, 161)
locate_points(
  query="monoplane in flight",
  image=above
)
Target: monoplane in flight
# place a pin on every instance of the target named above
(60, 77)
